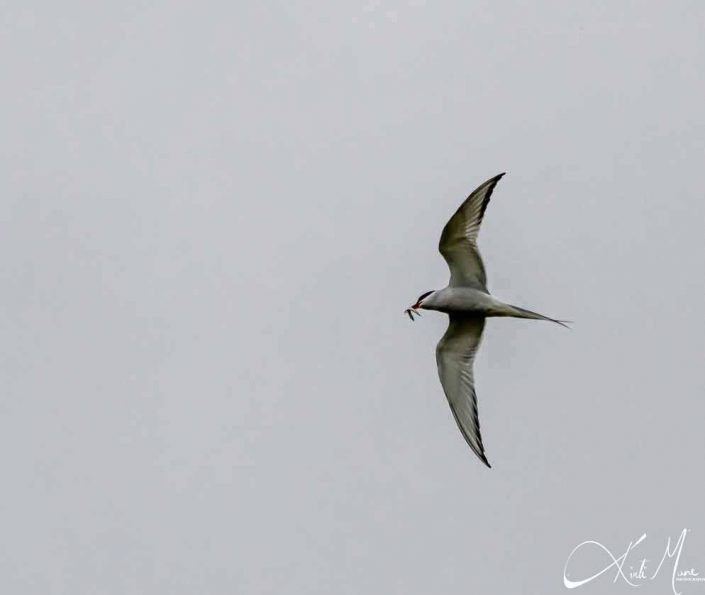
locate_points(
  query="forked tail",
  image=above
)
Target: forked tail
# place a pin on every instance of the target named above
(517, 312)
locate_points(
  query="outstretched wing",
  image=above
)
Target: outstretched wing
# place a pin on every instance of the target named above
(454, 355)
(458, 243)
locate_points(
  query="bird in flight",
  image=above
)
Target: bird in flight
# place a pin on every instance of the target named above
(467, 302)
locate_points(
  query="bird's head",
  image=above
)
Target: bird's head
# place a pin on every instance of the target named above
(419, 303)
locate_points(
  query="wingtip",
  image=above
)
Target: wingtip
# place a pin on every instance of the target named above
(494, 180)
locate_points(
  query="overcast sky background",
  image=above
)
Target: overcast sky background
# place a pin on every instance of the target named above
(212, 218)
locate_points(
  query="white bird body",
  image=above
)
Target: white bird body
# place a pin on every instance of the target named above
(468, 300)
(468, 303)
(464, 300)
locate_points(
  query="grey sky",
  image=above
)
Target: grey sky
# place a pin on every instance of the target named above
(213, 216)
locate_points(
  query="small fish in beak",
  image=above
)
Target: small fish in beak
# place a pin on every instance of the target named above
(411, 310)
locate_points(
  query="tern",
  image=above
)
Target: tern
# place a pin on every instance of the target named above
(468, 303)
